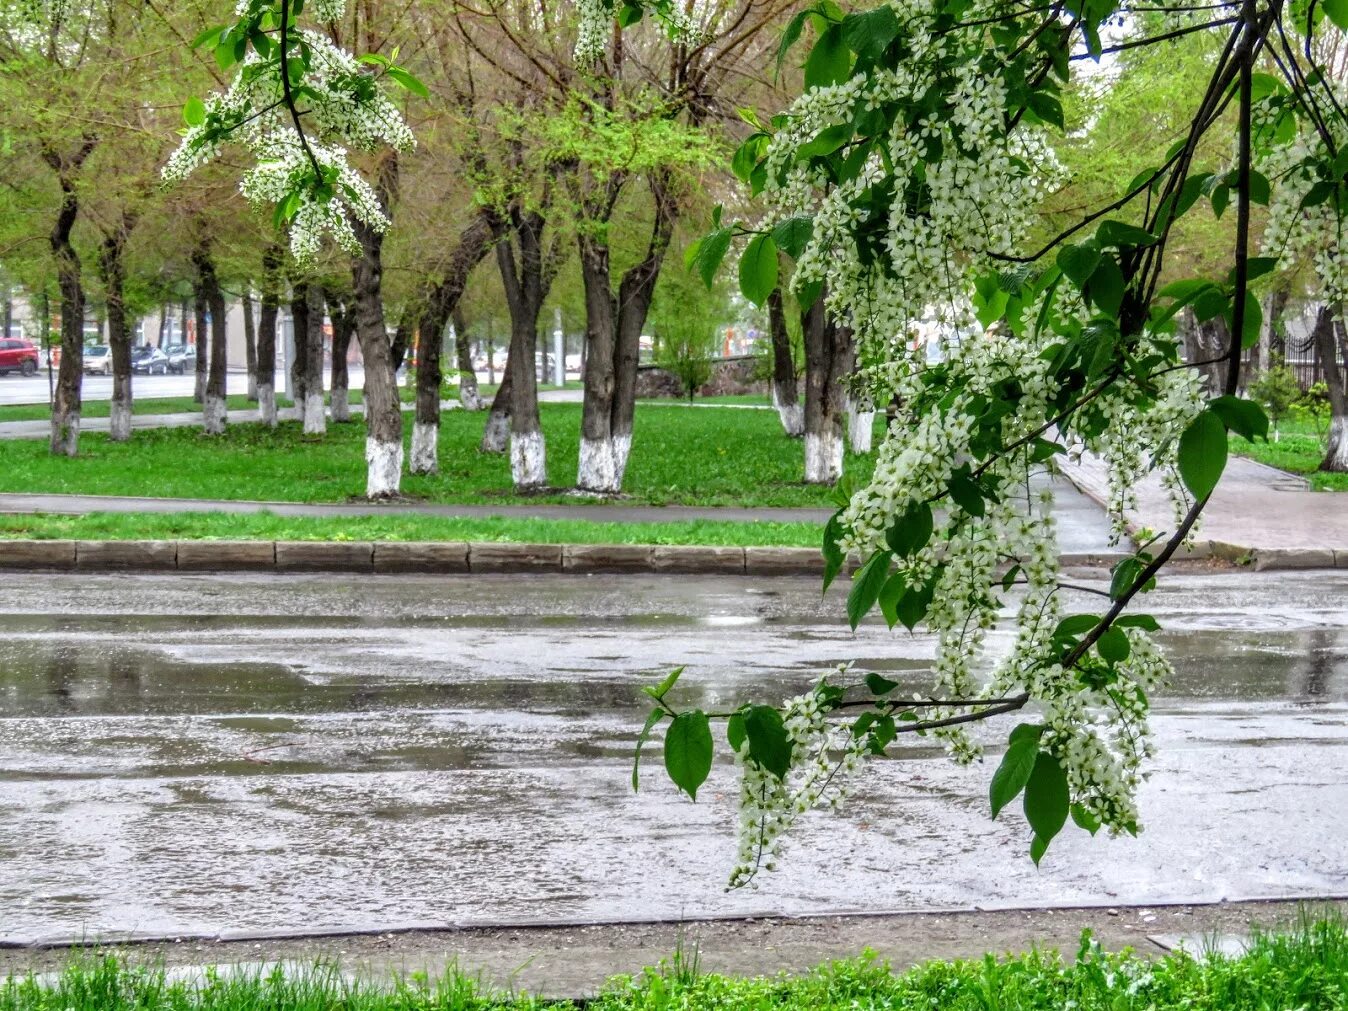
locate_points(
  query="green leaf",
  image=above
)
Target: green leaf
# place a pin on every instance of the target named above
(830, 61)
(655, 717)
(1017, 764)
(1202, 454)
(869, 34)
(758, 269)
(735, 733)
(912, 606)
(790, 36)
(1047, 108)
(1078, 262)
(1046, 797)
(1105, 286)
(866, 586)
(878, 685)
(210, 37)
(965, 493)
(1084, 819)
(825, 143)
(688, 751)
(630, 14)
(1244, 417)
(1038, 847)
(769, 745)
(1220, 196)
(747, 156)
(833, 552)
(1113, 645)
(890, 595)
(1125, 574)
(409, 82)
(710, 251)
(1117, 233)
(1143, 621)
(793, 234)
(1075, 624)
(194, 112)
(659, 691)
(911, 532)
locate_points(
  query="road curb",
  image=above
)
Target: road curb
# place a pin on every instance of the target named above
(428, 557)
(1260, 559)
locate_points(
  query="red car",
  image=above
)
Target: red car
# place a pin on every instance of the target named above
(17, 355)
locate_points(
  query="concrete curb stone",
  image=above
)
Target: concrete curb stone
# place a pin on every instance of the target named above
(1294, 558)
(607, 557)
(783, 561)
(1341, 558)
(221, 556)
(502, 557)
(145, 555)
(37, 554)
(421, 556)
(325, 556)
(689, 558)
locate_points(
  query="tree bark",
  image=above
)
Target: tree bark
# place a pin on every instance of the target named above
(496, 433)
(299, 327)
(113, 269)
(66, 398)
(250, 342)
(343, 329)
(200, 307)
(825, 358)
(383, 412)
(213, 409)
(1327, 335)
(315, 416)
(785, 394)
(469, 398)
(266, 335)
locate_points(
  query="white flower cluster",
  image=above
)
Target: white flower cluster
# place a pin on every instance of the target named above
(825, 757)
(592, 31)
(960, 187)
(688, 22)
(342, 109)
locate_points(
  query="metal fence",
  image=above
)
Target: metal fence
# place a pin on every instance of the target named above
(1298, 347)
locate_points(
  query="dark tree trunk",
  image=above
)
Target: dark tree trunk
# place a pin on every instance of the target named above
(785, 395)
(1206, 343)
(200, 308)
(315, 416)
(496, 433)
(299, 329)
(266, 335)
(250, 342)
(1328, 336)
(825, 365)
(383, 411)
(343, 329)
(65, 416)
(402, 338)
(113, 269)
(213, 409)
(527, 271)
(469, 398)
(474, 243)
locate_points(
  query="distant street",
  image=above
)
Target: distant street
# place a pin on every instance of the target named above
(15, 389)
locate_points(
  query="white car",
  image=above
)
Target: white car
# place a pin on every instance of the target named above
(98, 359)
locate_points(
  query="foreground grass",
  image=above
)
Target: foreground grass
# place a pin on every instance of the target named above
(679, 457)
(1306, 969)
(268, 527)
(1299, 450)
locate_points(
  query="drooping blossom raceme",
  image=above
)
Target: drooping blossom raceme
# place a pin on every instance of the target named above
(344, 107)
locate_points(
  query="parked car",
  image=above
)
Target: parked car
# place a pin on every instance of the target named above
(18, 355)
(149, 361)
(182, 358)
(98, 359)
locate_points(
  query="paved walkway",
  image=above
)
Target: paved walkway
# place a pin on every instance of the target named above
(1256, 511)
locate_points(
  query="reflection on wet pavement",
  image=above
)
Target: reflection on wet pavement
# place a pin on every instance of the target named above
(199, 754)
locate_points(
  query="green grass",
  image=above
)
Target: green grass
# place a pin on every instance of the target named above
(269, 527)
(99, 408)
(679, 456)
(1306, 969)
(1299, 450)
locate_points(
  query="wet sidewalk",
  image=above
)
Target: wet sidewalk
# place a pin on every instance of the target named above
(1258, 513)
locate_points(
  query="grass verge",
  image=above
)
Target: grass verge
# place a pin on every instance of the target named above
(1305, 969)
(711, 457)
(1299, 450)
(269, 527)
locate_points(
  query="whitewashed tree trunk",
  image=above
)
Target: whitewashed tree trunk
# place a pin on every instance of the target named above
(791, 412)
(119, 420)
(266, 404)
(823, 457)
(860, 427)
(213, 414)
(622, 450)
(597, 470)
(65, 433)
(425, 448)
(1336, 454)
(315, 419)
(528, 460)
(383, 468)
(496, 433)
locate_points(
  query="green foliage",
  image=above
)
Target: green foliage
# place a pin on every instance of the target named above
(1277, 390)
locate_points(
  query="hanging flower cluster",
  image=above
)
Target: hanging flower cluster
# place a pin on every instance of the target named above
(305, 175)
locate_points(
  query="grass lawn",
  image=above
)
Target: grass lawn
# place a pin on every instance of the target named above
(150, 405)
(1306, 969)
(679, 456)
(268, 527)
(1299, 450)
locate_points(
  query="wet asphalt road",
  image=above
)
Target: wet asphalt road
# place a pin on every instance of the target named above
(192, 755)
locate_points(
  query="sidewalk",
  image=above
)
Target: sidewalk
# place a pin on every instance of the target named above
(1257, 514)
